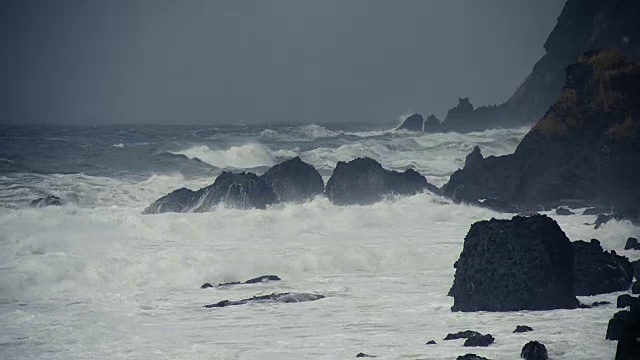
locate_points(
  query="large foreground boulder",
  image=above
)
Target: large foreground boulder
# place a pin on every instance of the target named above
(294, 180)
(597, 271)
(244, 190)
(364, 181)
(414, 122)
(584, 151)
(525, 263)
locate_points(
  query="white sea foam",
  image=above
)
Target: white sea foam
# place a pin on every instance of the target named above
(120, 145)
(241, 157)
(111, 283)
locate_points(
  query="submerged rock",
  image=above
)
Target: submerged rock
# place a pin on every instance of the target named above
(564, 211)
(269, 299)
(294, 180)
(525, 263)
(479, 340)
(363, 355)
(431, 342)
(471, 357)
(243, 190)
(364, 181)
(598, 271)
(414, 122)
(534, 350)
(47, 201)
(259, 279)
(600, 303)
(522, 329)
(462, 335)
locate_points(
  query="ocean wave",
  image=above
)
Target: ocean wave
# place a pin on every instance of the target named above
(120, 145)
(245, 156)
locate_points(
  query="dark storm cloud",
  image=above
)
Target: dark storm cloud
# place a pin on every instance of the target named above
(155, 61)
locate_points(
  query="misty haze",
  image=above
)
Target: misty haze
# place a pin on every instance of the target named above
(438, 179)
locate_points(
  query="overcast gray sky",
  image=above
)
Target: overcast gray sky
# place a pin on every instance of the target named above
(170, 61)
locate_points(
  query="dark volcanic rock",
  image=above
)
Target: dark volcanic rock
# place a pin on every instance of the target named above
(598, 271)
(564, 211)
(269, 299)
(243, 190)
(414, 122)
(632, 244)
(602, 219)
(636, 269)
(479, 340)
(259, 279)
(635, 288)
(431, 342)
(471, 357)
(363, 181)
(432, 124)
(206, 286)
(522, 329)
(534, 350)
(363, 355)
(462, 335)
(626, 300)
(525, 263)
(584, 151)
(47, 201)
(600, 303)
(294, 180)
(464, 118)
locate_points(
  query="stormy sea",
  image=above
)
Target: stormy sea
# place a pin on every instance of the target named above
(97, 279)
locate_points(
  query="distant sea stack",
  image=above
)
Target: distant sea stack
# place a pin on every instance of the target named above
(414, 122)
(582, 26)
(585, 150)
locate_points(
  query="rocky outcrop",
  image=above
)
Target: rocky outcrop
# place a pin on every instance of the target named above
(364, 181)
(632, 244)
(597, 271)
(462, 335)
(414, 122)
(584, 151)
(294, 181)
(582, 26)
(432, 124)
(525, 263)
(471, 357)
(269, 299)
(625, 328)
(244, 190)
(534, 350)
(522, 329)
(479, 340)
(47, 201)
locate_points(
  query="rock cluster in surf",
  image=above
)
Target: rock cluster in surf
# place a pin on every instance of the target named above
(360, 181)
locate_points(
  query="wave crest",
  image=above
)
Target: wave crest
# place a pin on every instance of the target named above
(245, 156)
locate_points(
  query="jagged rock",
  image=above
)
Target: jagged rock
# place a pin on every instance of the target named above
(462, 335)
(244, 190)
(414, 122)
(636, 269)
(632, 244)
(47, 201)
(432, 124)
(598, 271)
(605, 218)
(525, 263)
(206, 286)
(522, 329)
(364, 181)
(269, 299)
(479, 340)
(635, 288)
(564, 211)
(259, 279)
(431, 342)
(471, 357)
(584, 150)
(534, 350)
(294, 180)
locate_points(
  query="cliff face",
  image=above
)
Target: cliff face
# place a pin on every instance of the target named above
(586, 148)
(583, 25)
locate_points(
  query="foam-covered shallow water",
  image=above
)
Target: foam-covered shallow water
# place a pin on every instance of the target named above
(95, 279)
